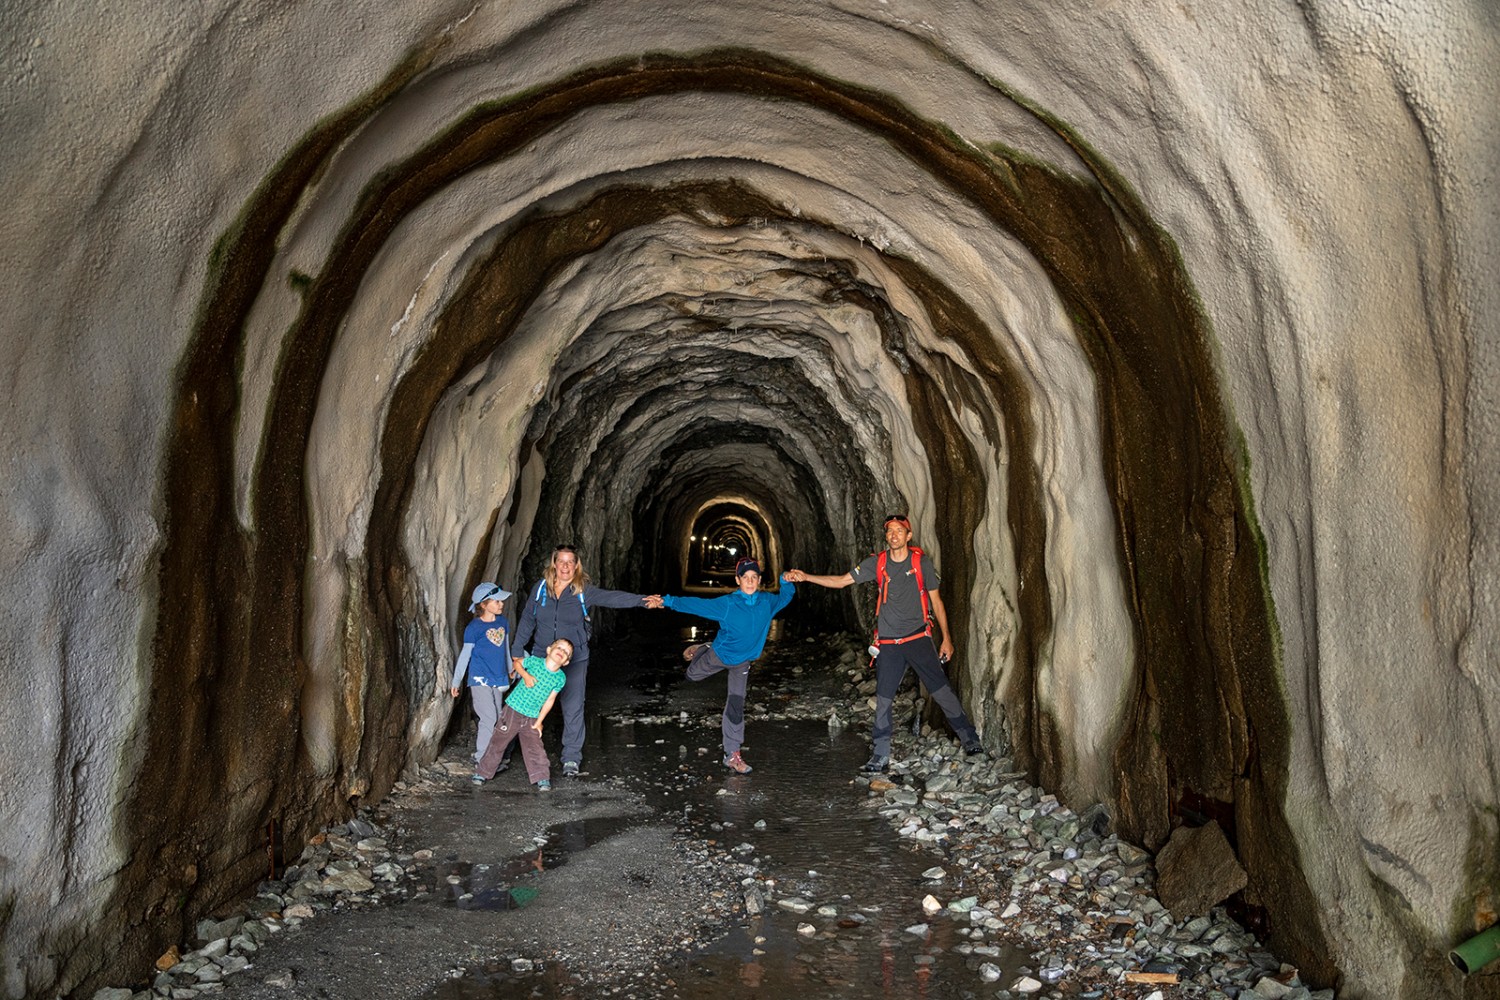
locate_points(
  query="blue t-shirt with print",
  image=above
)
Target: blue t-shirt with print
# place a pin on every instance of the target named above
(489, 665)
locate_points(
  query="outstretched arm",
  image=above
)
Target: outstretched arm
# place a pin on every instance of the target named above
(712, 608)
(940, 615)
(598, 597)
(832, 582)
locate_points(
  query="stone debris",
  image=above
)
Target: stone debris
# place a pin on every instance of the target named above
(1064, 887)
(1058, 885)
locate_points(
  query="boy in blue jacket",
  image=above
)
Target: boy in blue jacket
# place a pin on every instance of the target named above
(744, 618)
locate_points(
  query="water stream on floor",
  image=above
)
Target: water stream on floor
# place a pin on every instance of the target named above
(800, 817)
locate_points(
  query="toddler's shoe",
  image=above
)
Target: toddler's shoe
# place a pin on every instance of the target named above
(736, 763)
(544, 785)
(477, 779)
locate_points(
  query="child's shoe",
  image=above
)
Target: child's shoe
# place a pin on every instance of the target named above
(570, 769)
(477, 779)
(736, 763)
(544, 785)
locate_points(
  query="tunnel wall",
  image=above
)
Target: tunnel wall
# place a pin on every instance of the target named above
(1175, 333)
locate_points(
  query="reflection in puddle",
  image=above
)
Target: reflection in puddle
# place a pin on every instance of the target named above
(503, 886)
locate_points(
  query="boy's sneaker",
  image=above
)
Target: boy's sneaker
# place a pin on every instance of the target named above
(570, 769)
(736, 763)
(692, 651)
(544, 785)
(878, 763)
(477, 779)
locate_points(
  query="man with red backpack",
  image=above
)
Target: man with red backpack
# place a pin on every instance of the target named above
(908, 598)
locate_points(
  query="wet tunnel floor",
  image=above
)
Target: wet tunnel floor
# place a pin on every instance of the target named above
(800, 819)
(643, 877)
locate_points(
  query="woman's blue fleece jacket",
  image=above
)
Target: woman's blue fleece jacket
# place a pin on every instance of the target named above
(743, 619)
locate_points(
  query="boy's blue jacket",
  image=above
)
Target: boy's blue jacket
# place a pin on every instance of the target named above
(743, 619)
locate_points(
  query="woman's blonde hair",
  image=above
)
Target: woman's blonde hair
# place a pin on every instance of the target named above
(580, 576)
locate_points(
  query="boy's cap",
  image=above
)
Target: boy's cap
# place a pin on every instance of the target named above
(487, 592)
(745, 566)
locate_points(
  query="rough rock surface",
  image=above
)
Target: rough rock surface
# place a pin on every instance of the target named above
(1196, 869)
(1174, 329)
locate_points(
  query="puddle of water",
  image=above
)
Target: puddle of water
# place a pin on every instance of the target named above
(502, 886)
(799, 817)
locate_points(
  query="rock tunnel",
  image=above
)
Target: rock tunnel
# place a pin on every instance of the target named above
(1172, 328)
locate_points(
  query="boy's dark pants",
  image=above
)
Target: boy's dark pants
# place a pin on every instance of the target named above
(512, 725)
(705, 664)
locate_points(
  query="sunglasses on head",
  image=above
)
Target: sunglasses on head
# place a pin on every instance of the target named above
(566, 548)
(895, 517)
(491, 596)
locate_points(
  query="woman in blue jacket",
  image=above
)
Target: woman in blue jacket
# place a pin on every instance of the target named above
(557, 607)
(744, 618)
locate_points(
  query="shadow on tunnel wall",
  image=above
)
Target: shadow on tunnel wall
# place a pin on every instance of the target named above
(1207, 716)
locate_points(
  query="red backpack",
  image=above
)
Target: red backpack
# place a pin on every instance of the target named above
(883, 581)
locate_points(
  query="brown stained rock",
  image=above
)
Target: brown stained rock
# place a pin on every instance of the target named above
(1196, 869)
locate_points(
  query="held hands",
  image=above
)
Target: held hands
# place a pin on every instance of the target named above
(655, 601)
(794, 576)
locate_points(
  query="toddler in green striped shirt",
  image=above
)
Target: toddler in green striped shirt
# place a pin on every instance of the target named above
(525, 709)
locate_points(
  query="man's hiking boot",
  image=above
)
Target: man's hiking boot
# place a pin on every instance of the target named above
(736, 763)
(973, 747)
(878, 763)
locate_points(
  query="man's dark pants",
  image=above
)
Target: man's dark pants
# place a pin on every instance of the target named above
(890, 667)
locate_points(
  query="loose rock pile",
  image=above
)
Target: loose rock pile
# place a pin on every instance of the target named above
(1024, 868)
(346, 867)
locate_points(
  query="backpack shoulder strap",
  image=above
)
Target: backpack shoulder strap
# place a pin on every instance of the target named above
(541, 592)
(916, 568)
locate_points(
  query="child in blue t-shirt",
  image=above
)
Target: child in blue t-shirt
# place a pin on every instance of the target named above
(522, 717)
(486, 657)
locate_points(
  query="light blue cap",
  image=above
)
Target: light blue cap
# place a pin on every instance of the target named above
(487, 592)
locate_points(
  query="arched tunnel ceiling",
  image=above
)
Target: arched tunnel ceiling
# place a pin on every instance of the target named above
(1159, 398)
(864, 314)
